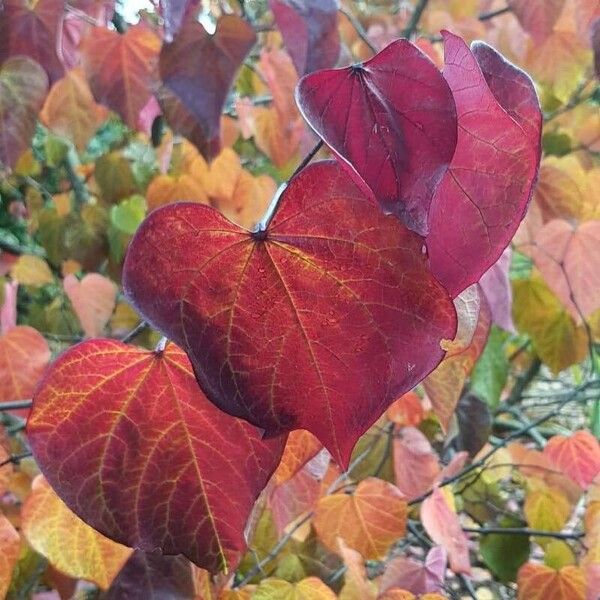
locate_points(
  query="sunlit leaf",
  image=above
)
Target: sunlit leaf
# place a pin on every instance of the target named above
(10, 545)
(31, 270)
(310, 588)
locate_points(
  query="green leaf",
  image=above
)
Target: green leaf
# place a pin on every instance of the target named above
(128, 214)
(491, 370)
(505, 553)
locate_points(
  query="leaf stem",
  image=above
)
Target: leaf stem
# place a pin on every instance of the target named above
(573, 535)
(360, 30)
(486, 16)
(15, 404)
(139, 328)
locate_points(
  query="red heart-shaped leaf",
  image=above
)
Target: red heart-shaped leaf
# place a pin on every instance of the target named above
(131, 444)
(485, 192)
(392, 122)
(197, 70)
(318, 323)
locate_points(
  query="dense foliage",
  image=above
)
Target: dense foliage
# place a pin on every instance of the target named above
(300, 300)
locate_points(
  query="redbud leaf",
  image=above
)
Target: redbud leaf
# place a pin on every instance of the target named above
(311, 324)
(131, 445)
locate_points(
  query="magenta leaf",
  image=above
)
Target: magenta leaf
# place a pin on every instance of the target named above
(484, 195)
(310, 32)
(391, 121)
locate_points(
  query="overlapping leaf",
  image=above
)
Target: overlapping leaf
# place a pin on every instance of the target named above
(197, 70)
(23, 87)
(150, 420)
(577, 456)
(539, 582)
(310, 324)
(310, 588)
(392, 122)
(120, 68)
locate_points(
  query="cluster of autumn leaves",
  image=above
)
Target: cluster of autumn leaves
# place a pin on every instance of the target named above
(314, 527)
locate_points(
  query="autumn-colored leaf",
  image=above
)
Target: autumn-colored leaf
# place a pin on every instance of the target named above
(547, 509)
(369, 520)
(165, 189)
(356, 584)
(568, 256)
(416, 466)
(495, 285)
(70, 109)
(407, 410)
(443, 526)
(120, 68)
(321, 293)
(417, 577)
(310, 588)
(539, 582)
(198, 69)
(48, 523)
(10, 545)
(174, 13)
(149, 575)
(558, 341)
(577, 456)
(495, 164)
(24, 354)
(93, 299)
(301, 446)
(397, 105)
(537, 16)
(310, 32)
(31, 270)
(32, 29)
(201, 509)
(23, 86)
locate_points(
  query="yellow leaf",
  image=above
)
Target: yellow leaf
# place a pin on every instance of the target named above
(31, 270)
(547, 509)
(165, 189)
(368, 521)
(310, 588)
(10, 544)
(66, 541)
(539, 313)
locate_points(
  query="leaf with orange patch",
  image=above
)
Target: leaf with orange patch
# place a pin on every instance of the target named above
(10, 545)
(70, 109)
(120, 68)
(537, 17)
(150, 419)
(165, 189)
(443, 526)
(407, 410)
(47, 523)
(356, 584)
(24, 354)
(93, 299)
(301, 446)
(577, 456)
(539, 582)
(369, 521)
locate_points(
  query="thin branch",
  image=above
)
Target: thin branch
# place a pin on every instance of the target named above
(15, 459)
(360, 30)
(307, 158)
(15, 405)
(71, 162)
(523, 381)
(486, 16)
(572, 535)
(412, 25)
(139, 328)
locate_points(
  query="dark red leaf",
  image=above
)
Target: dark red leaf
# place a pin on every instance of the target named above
(484, 195)
(153, 577)
(392, 121)
(174, 13)
(198, 69)
(32, 29)
(129, 442)
(319, 323)
(310, 32)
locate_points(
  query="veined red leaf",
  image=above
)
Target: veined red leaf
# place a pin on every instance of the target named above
(120, 68)
(23, 87)
(310, 32)
(197, 70)
(32, 29)
(136, 450)
(484, 195)
(391, 121)
(310, 324)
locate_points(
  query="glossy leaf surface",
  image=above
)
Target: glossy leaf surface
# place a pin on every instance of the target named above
(198, 69)
(392, 121)
(309, 325)
(310, 32)
(154, 420)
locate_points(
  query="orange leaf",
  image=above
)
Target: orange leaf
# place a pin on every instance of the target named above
(120, 68)
(93, 299)
(356, 584)
(165, 189)
(48, 524)
(368, 521)
(70, 109)
(578, 456)
(310, 588)
(539, 582)
(301, 446)
(443, 526)
(24, 354)
(416, 466)
(407, 410)
(10, 545)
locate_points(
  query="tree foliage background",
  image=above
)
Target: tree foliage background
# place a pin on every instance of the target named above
(483, 482)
